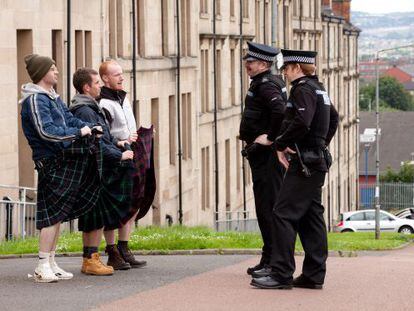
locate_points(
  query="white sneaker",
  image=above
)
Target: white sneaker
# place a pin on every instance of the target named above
(59, 272)
(44, 274)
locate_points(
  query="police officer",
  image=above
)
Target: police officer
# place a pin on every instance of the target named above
(309, 125)
(260, 124)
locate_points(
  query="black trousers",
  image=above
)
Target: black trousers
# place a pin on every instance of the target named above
(267, 175)
(299, 211)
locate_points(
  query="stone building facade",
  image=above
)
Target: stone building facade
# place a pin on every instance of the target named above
(194, 100)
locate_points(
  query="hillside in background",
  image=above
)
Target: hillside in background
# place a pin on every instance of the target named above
(382, 31)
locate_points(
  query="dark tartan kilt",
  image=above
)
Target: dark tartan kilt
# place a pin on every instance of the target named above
(144, 177)
(114, 199)
(69, 184)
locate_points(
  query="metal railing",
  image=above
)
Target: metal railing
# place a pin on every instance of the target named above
(236, 221)
(17, 212)
(393, 196)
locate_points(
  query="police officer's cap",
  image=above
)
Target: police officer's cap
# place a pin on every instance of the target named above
(304, 57)
(261, 52)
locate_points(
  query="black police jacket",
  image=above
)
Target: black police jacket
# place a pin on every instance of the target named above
(310, 120)
(265, 104)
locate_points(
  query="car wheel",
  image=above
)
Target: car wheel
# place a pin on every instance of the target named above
(346, 230)
(406, 230)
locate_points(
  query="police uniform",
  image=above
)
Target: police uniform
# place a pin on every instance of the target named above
(263, 114)
(310, 123)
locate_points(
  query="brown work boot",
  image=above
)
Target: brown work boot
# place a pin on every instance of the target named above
(94, 266)
(129, 257)
(115, 259)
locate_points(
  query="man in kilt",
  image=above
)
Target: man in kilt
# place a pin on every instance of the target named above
(115, 196)
(122, 124)
(66, 157)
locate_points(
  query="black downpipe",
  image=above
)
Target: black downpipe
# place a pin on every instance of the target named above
(284, 26)
(68, 72)
(134, 57)
(329, 88)
(68, 48)
(339, 130)
(264, 23)
(300, 24)
(180, 154)
(357, 128)
(242, 107)
(215, 115)
(314, 25)
(350, 124)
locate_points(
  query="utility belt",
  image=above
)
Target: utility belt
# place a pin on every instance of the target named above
(253, 148)
(313, 157)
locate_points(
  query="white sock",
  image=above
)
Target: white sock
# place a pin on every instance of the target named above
(52, 257)
(43, 257)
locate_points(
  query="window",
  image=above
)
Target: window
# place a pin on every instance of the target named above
(115, 29)
(185, 27)
(218, 7)
(205, 178)
(232, 9)
(164, 26)
(88, 49)
(140, 23)
(83, 49)
(172, 128)
(57, 55)
(79, 51)
(24, 46)
(203, 6)
(238, 164)
(156, 122)
(257, 22)
(218, 80)
(233, 76)
(266, 23)
(227, 176)
(186, 125)
(245, 8)
(356, 217)
(204, 80)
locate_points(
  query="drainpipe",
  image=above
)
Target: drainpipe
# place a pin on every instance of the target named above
(349, 123)
(68, 48)
(339, 127)
(134, 57)
(264, 23)
(329, 87)
(242, 106)
(284, 25)
(216, 177)
(180, 154)
(357, 126)
(300, 24)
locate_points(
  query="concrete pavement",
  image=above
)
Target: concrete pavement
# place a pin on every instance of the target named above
(372, 281)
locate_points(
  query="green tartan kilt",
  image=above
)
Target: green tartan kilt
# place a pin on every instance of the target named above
(69, 184)
(114, 199)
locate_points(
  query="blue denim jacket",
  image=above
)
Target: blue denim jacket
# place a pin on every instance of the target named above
(47, 123)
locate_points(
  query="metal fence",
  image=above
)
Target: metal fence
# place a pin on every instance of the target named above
(393, 196)
(236, 221)
(17, 212)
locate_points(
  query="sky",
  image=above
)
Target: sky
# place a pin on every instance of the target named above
(382, 6)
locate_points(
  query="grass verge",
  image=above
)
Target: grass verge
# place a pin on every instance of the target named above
(183, 238)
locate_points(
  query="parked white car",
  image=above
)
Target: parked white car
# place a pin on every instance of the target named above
(364, 220)
(406, 213)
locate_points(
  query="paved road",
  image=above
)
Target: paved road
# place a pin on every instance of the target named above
(17, 292)
(379, 281)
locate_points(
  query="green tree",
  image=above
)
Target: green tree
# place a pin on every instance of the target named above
(391, 93)
(405, 174)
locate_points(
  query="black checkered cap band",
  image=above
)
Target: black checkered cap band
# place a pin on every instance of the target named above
(299, 59)
(262, 56)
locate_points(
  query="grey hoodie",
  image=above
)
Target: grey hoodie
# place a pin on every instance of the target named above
(31, 88)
